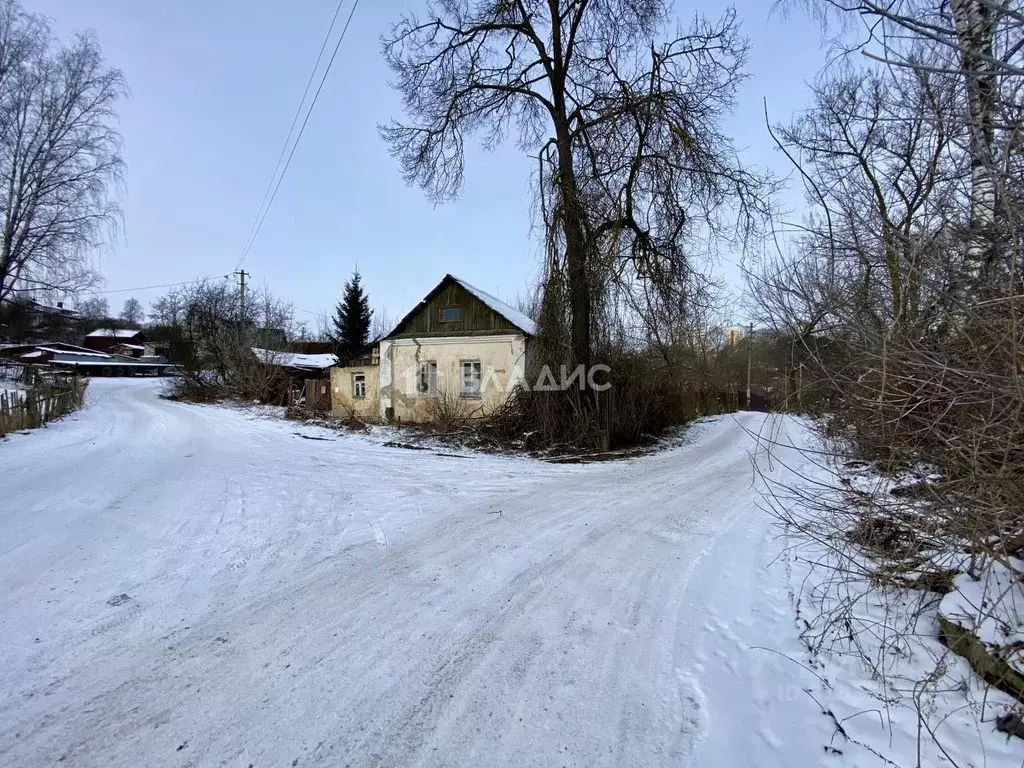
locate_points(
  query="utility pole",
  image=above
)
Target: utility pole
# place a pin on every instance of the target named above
(242, 274)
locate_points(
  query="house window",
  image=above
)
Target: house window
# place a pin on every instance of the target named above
(375, 356)
(451, 314)
(426, 381)
(470, 378)
(358, 385)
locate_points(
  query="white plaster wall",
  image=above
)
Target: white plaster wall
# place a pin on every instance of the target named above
(344, 404)
(385, 377)
(503, 366)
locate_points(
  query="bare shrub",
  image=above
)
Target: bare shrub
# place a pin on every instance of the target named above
(905, 294)
(448, 411)
(231, 344)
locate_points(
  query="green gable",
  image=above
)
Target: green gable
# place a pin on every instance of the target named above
(436, 315)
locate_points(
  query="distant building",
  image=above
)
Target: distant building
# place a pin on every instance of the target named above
(60, 356)
(110, 339)
(734, 335)
(29, 319)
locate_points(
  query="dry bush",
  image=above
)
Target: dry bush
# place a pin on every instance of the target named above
(922, 480)
(643, 401)
(955, 402)
(195, 389)
(448, 411)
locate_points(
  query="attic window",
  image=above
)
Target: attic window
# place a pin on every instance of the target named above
(451, 314)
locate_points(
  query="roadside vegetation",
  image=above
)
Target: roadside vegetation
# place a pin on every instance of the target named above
(217, 329)
(903, 297)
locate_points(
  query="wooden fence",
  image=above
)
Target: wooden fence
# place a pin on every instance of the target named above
(45, 400)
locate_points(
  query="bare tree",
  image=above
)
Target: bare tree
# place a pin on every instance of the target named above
(59, 154)
(95, 308)
(623, 125)
(882, 176)
(231, 353)
(169, 309)
(382, 323)
(978, 42)
(132, 312)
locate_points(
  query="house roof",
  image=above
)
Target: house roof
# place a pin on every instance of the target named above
(113, 333)
(294, 360)
(49, 346)
(513, 316)
(87, 361)
(47, 308)
(62, 346)
(80, 353)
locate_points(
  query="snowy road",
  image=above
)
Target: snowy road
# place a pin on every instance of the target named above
(204, 586)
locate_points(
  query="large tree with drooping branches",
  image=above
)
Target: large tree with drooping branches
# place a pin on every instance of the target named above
(620, 110)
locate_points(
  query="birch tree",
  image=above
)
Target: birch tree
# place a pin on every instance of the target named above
(132, 312)
(982, 43)
(59, 154)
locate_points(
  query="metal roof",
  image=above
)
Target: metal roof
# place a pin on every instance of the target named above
(113, 333)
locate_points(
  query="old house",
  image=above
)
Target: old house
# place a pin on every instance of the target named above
(31, 319)
(459, 352)
(111, 339)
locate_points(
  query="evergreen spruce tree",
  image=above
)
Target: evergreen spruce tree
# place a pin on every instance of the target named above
(352, 317)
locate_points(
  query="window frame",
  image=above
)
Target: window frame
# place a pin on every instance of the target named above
(431, 378)
(477, 366)
(355, 389)
(440, 313)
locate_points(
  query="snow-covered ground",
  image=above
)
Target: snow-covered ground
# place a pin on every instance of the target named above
(191, 585)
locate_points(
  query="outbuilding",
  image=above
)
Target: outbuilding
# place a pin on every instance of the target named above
(110, 339)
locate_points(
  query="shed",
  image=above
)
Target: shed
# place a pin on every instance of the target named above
(109, 339)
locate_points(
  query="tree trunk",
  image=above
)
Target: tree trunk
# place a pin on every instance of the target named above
(976, 30)
(576, 256)
(576, 243)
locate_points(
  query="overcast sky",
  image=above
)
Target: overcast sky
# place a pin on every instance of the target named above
(215, 84)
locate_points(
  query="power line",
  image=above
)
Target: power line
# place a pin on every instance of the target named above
(291, 128)
(164, 285)
(262, 217)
